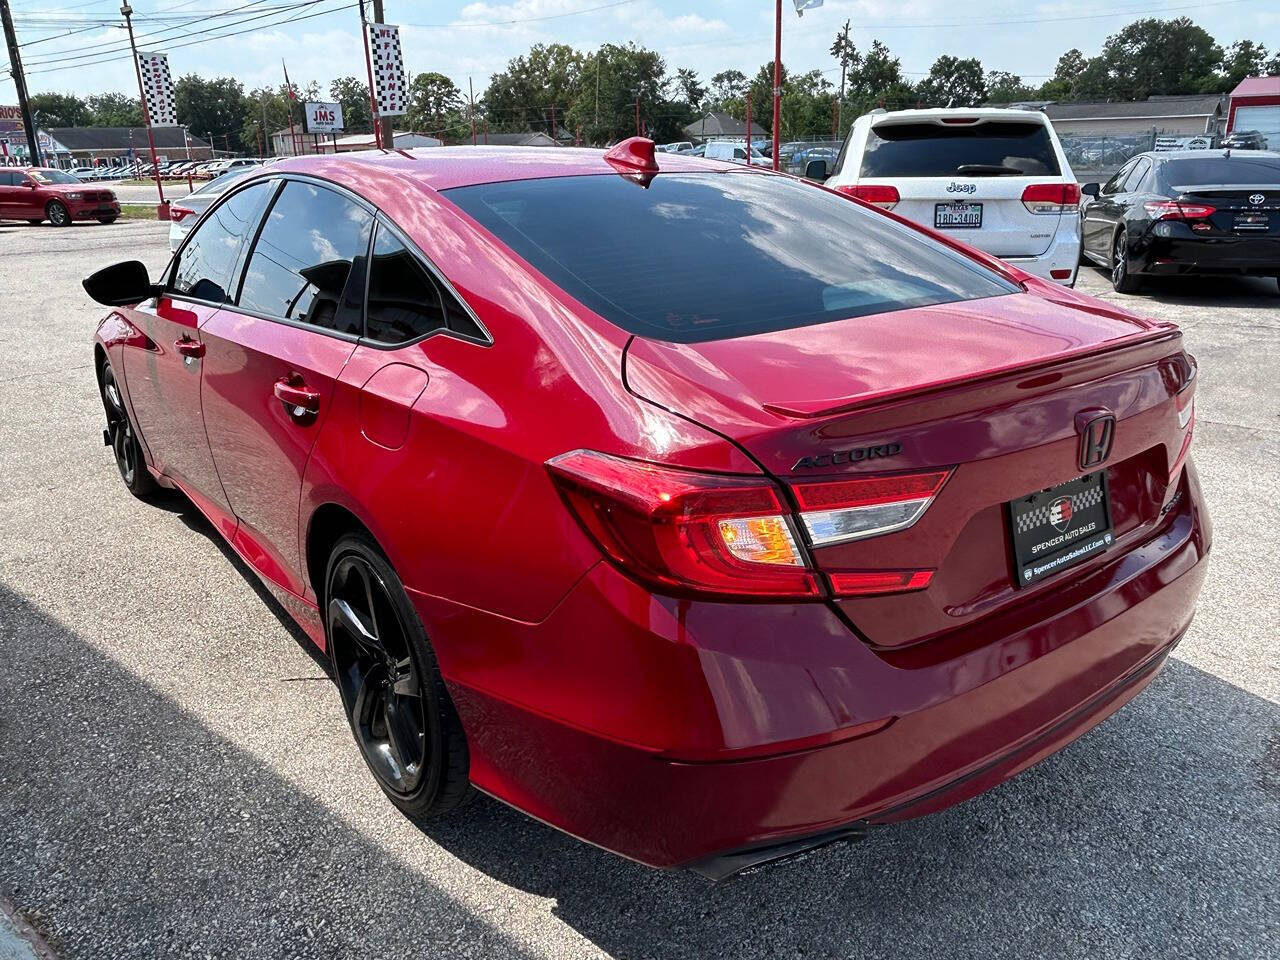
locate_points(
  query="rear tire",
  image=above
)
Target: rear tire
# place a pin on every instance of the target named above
(130, 460)
(396, 703)
(57, 214)
(1122, 281)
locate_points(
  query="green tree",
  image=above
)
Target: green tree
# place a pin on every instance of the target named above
(761, 91)
(353, 96)
(877, 78)
(1244, 59)
(623, 75)
(690, 90)
(266, 110)
(728, 85)
(953, 82)
(1070, 65)
(60, 110)
(436, 107)
(1152, 56)
(114, 110)
(1003, 87)
(212, 109)
(535, 87)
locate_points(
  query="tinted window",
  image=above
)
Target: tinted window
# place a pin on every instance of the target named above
(302, 260)
(1113, 185)
(405, 300)
(6, 178)
(1245, 171)
(988, 149)
(705, 256)
(1134, 178)
(205, 265)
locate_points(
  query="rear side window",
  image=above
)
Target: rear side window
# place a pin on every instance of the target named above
(705, 256)
(991, 149)
(6, 178)
(1235, 170)
(406, 302)
(208, 259)
(308, 263)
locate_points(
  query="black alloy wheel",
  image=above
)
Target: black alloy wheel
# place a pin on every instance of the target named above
(1122, 281)
(124, 442)
(395, 700)
(59, 216)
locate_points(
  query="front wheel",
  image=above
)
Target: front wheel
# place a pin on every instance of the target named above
(395, 699)
(1122, 281)
(58, 214)
(124, 442)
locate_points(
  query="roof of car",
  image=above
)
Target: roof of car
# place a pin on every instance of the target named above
(441, 168)
(938, 113)
(1201, 154)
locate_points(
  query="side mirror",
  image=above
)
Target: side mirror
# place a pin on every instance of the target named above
(815, 170)
(1090, 189)
(121, 284)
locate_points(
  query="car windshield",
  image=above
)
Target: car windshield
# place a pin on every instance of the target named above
(1236, 169)
(51, 176)
(987, 149)
(695, 257)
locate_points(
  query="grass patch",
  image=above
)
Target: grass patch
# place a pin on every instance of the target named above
(138, 211)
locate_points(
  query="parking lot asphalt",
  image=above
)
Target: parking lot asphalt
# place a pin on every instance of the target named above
(177, 779)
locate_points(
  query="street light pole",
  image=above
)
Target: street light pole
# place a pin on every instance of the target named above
(162, 208)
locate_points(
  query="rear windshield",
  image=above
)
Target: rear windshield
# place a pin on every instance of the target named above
(990, 149)
(1246, 171)
(705, 256)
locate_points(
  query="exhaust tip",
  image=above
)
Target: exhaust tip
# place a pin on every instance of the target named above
(734, 863)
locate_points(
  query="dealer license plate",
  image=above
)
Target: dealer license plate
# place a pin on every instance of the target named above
(1057, 528)
(957, 215)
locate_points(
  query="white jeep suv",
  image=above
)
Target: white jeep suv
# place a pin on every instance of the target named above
(995, 179)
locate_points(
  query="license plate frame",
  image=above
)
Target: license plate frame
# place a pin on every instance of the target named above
(972, 210)
(1252, 222)
(1044, 542)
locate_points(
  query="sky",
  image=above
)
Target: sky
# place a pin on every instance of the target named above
(64, 50)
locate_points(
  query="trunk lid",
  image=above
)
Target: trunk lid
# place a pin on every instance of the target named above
(1244, 210)
(990, 390)
(1001, 223)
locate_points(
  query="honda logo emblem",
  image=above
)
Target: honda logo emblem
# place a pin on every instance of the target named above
(1095, 440)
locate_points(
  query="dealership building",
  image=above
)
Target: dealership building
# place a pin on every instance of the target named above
(95, 146)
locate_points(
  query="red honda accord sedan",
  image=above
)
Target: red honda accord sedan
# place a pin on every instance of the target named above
(701, 512)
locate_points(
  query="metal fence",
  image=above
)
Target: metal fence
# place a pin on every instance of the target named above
(1096, 156)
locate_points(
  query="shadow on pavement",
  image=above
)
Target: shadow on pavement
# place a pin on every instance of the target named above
(1206, 291)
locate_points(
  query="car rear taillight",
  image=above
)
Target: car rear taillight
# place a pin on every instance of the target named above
(1173, 210)
(176, 214)
(1044, 198)
(881, 196)
(837, 511)
(683, 532)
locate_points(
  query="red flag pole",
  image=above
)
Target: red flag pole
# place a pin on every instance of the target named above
(748, 128)
(777, 84)
(293, 137)
(162, 209)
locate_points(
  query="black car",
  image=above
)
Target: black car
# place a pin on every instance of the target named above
(1245, 140)
(1185, 211)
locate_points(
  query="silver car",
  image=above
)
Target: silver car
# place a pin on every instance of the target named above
(185, 212)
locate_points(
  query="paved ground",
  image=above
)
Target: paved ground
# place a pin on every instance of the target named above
(176, 778)
(127, 193)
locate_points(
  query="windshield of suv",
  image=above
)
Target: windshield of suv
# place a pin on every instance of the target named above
(51, 176)
(993, 148)
(706, 256)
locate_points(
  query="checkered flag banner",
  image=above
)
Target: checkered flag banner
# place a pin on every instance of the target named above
(157, 85)
(388, 70)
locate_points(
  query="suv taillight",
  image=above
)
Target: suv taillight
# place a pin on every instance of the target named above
(879, 195)
(1051, 197)
(686, 533)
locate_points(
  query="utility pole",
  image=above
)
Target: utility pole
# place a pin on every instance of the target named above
(20, 82)
(365, 37)
(471, 92)
(388, 132)
(162, 208)
(748, 127)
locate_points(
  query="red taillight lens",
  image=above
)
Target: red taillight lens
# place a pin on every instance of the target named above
(837, 511)
(683, 532)
(870, 582)
(881, 196)
(1041, 198)
(176, 214)
(1173, 210)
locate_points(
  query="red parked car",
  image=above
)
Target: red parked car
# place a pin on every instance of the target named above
(703, 513)
(36, 194)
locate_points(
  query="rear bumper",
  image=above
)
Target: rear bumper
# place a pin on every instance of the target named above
(1185, 253)
(1058, 264)
(682, 734)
